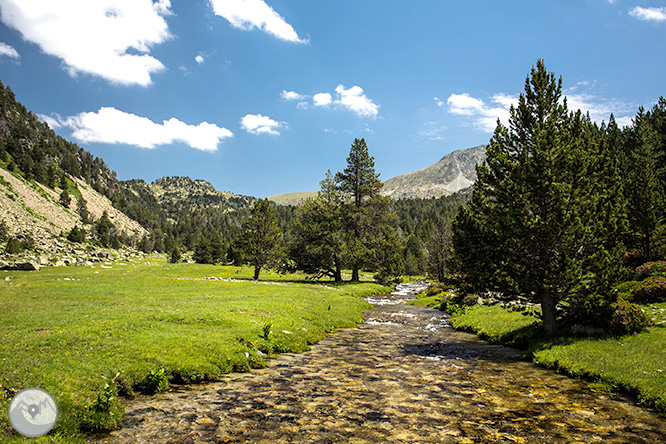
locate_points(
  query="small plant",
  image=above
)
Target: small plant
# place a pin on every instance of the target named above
(154, 382)
(104, 413)
(266, 331)
(627, 318)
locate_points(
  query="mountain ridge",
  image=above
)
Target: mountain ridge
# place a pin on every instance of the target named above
(454, 172)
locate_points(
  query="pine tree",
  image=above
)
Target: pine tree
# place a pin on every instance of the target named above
(534, 227)
(260, 241)
(363, 206)
(318, 247)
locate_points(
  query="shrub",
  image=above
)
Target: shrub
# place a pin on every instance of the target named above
(436, 288)
(651, 290)
(77, 235)
(154, 382)
(627, 318)
(657, 268)
(14, 246)
(105, 413)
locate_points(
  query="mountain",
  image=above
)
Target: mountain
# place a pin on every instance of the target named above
(452, 173)
(292, 198)
(174, 193)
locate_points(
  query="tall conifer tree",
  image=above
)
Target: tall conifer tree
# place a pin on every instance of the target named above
(534, 225)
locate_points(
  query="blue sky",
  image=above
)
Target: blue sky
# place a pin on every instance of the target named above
(261, 97)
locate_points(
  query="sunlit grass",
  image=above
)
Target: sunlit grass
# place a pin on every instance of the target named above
(63, 329)
(634, 364)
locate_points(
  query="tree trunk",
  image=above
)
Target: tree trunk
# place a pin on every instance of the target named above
(257, 269)
(355, 277)
(548, 311)
(338, 272)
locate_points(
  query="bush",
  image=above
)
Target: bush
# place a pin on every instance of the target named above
(436, 288)
(657, 268)
(77, 235)
(651, 290)
(627, 318)
(14, 246)
(154, 382)
(105, 413)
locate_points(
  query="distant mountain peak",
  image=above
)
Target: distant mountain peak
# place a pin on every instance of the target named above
(452, 173)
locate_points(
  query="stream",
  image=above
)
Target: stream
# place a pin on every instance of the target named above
(402, 376)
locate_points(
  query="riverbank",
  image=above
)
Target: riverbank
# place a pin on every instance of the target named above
(89, 334)
(633, 364)
(403, 375)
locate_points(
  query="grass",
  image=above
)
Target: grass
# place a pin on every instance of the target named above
(634, 364)
(66, 329)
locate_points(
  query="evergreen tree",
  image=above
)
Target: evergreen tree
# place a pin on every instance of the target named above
(318, 246)
(202, 252)
(534, 226)
(77, 234)
(364, 209)
(82, 209)
(644, 187)
(65, 200)
(260, 241)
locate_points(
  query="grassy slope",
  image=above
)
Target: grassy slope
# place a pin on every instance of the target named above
(63, 329)
(634, 364)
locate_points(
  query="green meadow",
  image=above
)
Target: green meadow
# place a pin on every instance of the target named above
(631, 364)
(87, 335)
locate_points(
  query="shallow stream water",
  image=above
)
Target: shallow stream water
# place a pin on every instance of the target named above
(402, 376)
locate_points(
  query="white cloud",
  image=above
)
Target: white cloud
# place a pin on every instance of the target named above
(356, 101)
(352, 99)
(199, 59)
(248, 14)
(109, 125)
(483, 116)
(432, 131)
(438, 102)
(601, 109)
(464, 104)
(648, 14)
(9, 51)
(322, 99)
(107, 38)
(291, 95)
(258, 124)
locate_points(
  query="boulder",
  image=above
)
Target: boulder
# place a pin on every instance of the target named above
(25, 266)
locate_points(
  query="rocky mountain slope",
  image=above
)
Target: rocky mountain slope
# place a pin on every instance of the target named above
(176, 192)
(452, 173)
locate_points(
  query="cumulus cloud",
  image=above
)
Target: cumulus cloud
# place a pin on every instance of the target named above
(483, 116)
(352, 99)
(322, 99)
(107, 38)
(248, 14)
(199, 59)
(648, 14)
(356, 101)
(258, 124)
(8, 51)
(109, 125)
(291, 95)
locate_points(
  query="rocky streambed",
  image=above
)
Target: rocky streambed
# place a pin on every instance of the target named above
(402, 376)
